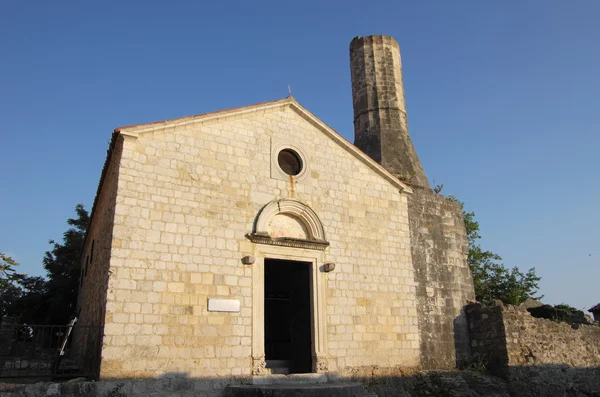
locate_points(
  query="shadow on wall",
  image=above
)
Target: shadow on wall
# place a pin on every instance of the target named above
(462, 343)
(97, 252)
(512, 356)
(545, 380)
(521, 382)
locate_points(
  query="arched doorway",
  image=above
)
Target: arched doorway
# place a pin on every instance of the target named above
(288, 290)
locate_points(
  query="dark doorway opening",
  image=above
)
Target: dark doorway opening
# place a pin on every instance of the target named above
(288, 339)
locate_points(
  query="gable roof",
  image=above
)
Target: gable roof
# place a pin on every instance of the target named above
(595, 308)
(138, 129)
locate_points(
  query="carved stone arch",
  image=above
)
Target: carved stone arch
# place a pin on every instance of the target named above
(289, 223)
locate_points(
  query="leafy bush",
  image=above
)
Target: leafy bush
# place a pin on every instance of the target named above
(561, 313)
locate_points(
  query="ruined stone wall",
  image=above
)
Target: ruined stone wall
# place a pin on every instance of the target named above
(510, 336)
(189, 194)
(487, 335)
(444, 283)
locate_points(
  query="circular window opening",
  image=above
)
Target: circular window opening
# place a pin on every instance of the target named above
(290, 162)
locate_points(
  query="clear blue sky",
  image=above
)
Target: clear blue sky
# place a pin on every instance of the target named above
(502, 101)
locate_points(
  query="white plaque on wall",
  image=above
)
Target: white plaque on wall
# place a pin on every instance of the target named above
(223, 305)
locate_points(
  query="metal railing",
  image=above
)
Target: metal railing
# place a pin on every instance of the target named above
(50, 351)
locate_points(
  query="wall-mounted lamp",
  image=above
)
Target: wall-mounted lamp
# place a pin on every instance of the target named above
(329, 267)
(248, 260)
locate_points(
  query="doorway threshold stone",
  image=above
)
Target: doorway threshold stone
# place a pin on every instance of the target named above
(279, 379)
(297, 389)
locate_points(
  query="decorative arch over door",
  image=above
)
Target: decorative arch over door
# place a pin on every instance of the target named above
(289, 223)
(289, 230)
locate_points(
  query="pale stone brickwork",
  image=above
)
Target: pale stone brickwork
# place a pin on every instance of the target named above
(200, 203)
(188, 193)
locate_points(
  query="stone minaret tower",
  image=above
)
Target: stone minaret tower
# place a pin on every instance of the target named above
(438, 239)
(380, 125)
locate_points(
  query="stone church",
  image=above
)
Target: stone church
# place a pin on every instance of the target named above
(257, 241)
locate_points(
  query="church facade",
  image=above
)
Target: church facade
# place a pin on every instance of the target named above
(257, 241)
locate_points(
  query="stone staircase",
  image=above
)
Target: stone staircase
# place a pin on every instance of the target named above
(297, 385)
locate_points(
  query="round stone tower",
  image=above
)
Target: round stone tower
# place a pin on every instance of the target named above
(380, 123)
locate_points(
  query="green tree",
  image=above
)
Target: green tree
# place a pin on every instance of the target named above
(63, 271)
(519, 286)
(23, 298)
(9, 294)
(9, 289)
(50, 300)
(491, 279)
(31, 301)
(8, 274)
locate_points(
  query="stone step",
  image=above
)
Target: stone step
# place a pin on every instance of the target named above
(278, 370)
(278, 379)
(279, 367)
(297, 389)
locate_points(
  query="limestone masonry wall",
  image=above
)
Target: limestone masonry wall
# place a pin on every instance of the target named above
(187, 196)
(509, 337)
(444, 283)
